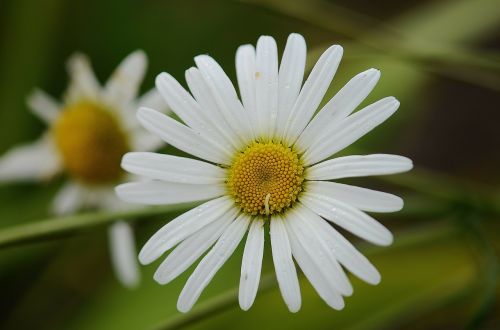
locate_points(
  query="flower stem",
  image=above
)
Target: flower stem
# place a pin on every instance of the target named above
(55, 226)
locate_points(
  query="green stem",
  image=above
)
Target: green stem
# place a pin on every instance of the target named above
(55, 226)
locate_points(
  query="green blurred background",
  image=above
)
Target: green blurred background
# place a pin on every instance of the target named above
(441, 59)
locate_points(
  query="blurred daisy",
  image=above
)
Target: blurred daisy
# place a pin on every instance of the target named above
(88, 134)
(265, 162)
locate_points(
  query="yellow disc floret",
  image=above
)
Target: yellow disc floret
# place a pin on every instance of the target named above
(91, 143)
(266, 178)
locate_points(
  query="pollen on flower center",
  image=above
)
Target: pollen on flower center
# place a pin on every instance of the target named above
(265, 178)
(90, 142)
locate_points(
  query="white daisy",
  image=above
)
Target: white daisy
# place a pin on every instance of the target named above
(87, 135)
(265, 162)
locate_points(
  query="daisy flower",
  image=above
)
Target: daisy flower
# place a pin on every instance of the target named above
(263, 162)
(88, 133)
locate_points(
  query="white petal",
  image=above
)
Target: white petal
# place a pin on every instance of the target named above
(43, 106)
(313, 92)
(266, 86)
(107, 199)
(123, 254)
(351, 129)
(315, 273)
(152, 99)
(225, 96)
(291, 74)
(68, 199)
(284, 266)
(210, 114)
(180, 136)
(245, 72)
(251, 264)
(345, 252)
(123, 85)
(143, 140)
(83, 83)
(361, 198)
(339, 107)
(181, 102)
(172, 168)
(189, 250)
(356, 166)
(349, 218)
(30, 162)
(164, 193)
(320, 256)
(183, 226)
(212, 262)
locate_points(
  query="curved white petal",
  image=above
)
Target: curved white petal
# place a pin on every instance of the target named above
(105, 198)
(361, 198)
(123, 254)
(337, 137)
(344, 251)
(83, 83)
(183, 104)
(180, 136)
(245, 72)
(123, 85)
(210, 114)
(315, 273)
(43, 106)
(68, 199)
(164, 193)
(291, 74)
(183, 226)
(143, 140)
(339, 107)
(225, 97)
(189, 250)
(251, 264)
(152, 99)
(266, 86)
(312, 92)
(349, 218)
(30, 162)
(172, 168)
(356, 166)
(319, 254)
(179, 100)
(212, 262)
(284, 266)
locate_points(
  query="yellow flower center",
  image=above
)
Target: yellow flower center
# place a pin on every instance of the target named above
(91, 143)
(265, 178)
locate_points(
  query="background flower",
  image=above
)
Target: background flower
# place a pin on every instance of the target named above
(439, 58)
(87, 133)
